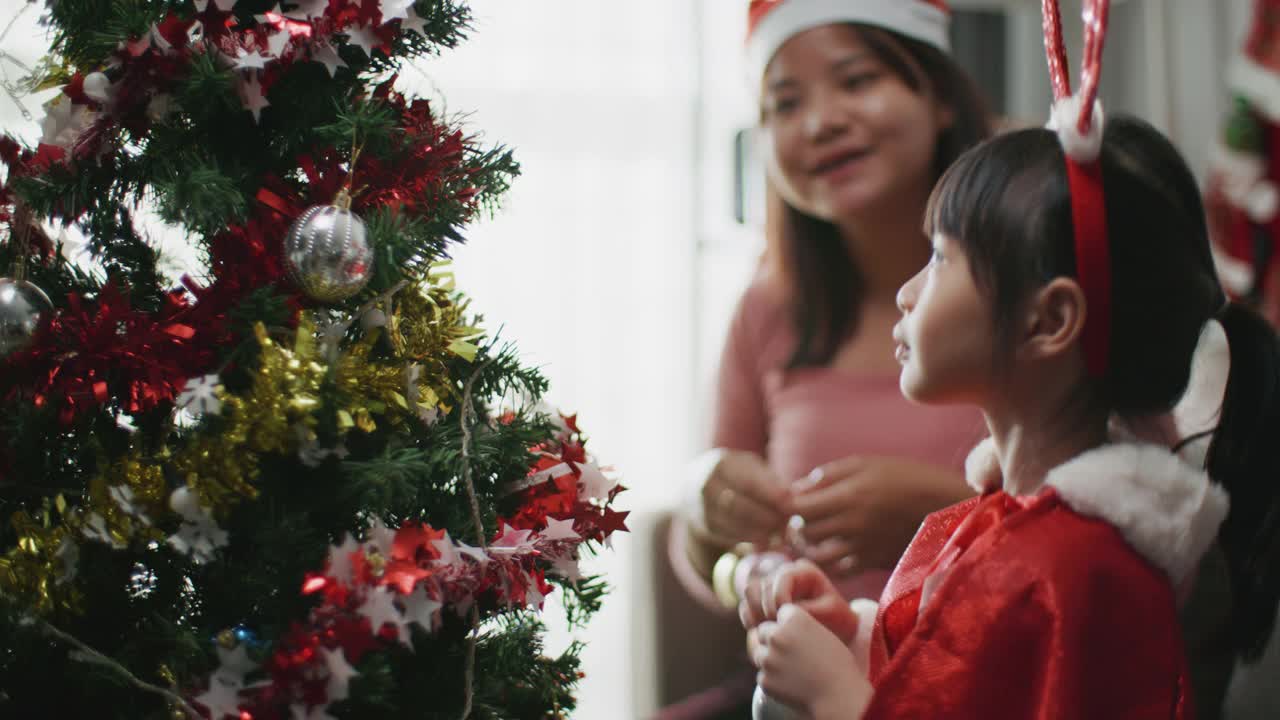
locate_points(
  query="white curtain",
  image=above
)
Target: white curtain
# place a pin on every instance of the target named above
(589, 265)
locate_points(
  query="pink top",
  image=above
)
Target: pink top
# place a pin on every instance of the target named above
(801, 419)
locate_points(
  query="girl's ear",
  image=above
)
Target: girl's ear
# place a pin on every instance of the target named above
(1054, 319)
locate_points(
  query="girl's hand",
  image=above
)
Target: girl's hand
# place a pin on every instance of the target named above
(743, 500)
(804, 665)
(804, 585)
(861, 512)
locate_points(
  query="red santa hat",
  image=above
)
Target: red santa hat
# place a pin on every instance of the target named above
(1255, 73)
(770, 23)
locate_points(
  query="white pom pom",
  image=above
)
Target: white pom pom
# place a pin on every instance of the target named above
(982, 467)
(1064, 120)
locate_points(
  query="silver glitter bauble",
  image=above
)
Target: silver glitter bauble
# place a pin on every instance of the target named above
(22, 304)
(764, 707)
(327, 252)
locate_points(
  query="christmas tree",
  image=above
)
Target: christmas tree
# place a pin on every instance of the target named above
(303, 482)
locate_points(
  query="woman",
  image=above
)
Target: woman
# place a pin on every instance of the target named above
(861, 110)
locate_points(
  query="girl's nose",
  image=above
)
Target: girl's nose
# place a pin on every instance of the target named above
(908, 293)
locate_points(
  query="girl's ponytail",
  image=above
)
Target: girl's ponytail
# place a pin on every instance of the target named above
(1245, 457)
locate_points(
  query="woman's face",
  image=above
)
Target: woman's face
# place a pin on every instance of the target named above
(846, 133)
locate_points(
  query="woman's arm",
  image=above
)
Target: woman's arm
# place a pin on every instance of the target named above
(739, 502)
(730, 495)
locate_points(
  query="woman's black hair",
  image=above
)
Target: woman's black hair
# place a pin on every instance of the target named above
(1007, 205)
(827, 286)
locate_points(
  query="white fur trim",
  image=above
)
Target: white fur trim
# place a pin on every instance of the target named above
(1260, 86)
(913, 18)
(982, 467)
(1201, 404)
(866, 610)
(1064, 119)
(1195, 412)
(1168, 511)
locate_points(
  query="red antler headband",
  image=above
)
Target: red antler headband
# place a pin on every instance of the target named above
(1078, 121)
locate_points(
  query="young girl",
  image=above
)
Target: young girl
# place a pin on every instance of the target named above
(1055, 593)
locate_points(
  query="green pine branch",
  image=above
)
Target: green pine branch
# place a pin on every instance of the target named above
(155, 611)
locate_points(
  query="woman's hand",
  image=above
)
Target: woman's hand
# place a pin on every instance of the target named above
(804, 585)
(861, 512)
(804, 665)
(743, 500)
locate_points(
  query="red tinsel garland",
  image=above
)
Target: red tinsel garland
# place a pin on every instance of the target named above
(90, 353)
(510, 572)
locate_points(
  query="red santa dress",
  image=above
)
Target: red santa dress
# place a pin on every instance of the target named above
(1054, 605)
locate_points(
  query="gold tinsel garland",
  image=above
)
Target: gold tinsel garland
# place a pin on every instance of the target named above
(124, 504)
(37, 571)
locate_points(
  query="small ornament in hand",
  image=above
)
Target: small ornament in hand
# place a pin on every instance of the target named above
(764, 707)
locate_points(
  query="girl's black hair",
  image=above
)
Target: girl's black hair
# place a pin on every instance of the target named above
(1006, 203)
(827, 286)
